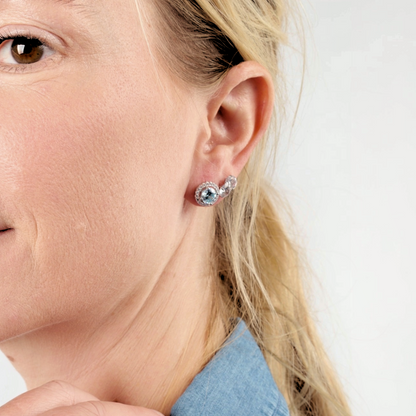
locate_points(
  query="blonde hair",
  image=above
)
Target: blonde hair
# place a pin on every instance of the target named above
(258, 265)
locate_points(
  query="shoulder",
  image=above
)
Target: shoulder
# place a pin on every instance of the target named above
(236, 381)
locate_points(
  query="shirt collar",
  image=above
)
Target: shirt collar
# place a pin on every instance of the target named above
(237, 381)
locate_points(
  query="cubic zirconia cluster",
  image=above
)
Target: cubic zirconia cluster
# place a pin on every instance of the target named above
(229, 185)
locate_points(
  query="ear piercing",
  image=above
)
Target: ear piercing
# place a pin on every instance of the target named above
(208, 193)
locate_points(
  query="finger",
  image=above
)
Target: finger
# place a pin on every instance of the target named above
(97, 408)
(49, 396)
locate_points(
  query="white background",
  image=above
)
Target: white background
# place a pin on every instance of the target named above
(349, 173)
(349, 170)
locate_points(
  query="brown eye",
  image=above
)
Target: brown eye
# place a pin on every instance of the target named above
(27, 51)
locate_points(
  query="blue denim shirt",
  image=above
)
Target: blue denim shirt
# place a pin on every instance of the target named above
(236, 382)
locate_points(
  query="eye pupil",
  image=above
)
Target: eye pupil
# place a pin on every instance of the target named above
(27, 51)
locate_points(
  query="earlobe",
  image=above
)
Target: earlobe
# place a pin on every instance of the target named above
(238, 114)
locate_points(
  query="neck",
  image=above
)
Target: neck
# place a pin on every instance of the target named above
(144, 351)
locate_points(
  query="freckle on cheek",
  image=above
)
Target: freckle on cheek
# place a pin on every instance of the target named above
(11, 359)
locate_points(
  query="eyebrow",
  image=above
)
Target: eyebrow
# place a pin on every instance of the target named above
(66, 2)
(83, 7)
(79, 5)
(74, 3)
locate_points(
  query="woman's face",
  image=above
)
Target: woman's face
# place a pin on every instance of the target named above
(96, 148)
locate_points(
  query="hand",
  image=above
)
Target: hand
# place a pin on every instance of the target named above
(58, 398)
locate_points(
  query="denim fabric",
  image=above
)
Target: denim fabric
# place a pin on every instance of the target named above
(236, 382)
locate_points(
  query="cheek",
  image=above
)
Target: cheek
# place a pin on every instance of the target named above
(87, 183)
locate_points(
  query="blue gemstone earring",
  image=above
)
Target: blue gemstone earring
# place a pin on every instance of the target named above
(208, 193)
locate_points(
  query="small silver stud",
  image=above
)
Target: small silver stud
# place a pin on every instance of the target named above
(207, 194)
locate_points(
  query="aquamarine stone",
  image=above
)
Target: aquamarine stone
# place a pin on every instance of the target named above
(209, 195)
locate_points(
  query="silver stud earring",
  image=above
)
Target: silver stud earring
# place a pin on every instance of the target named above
(208, 193)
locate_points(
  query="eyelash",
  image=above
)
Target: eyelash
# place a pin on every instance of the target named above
(19, 68)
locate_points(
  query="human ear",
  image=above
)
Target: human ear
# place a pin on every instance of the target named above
(238, 114)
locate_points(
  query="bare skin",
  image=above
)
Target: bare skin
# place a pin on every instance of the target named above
(103, 250)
